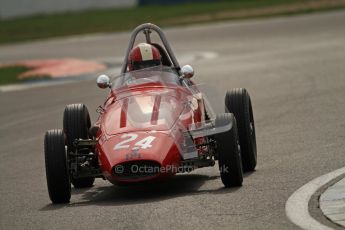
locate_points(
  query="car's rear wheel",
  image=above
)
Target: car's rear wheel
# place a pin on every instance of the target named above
(57, 172)
(238, 102)
(229, 152)
(76, 124)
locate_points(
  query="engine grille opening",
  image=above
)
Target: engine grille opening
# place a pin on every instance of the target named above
(136, 169)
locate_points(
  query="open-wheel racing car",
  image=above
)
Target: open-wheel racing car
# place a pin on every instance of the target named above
(154, 123)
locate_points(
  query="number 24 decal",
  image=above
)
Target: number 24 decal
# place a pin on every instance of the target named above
(144, 143)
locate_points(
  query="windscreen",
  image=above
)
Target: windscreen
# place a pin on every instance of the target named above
(158, 75)
(147, 111)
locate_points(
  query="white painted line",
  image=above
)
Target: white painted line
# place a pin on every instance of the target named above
(297, 205)
(18, 87)
(196, 56)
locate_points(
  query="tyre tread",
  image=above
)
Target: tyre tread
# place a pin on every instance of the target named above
(58, 181)
(227, 152)
(238, 102)
(76, 123)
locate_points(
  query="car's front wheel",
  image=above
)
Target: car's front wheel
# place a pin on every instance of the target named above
(57, 172)
(229, 151)
(76, 124)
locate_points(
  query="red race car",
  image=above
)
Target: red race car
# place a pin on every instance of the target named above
(154, 123)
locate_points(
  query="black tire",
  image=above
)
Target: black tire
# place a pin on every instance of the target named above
(76, 125)
(58, 179)
(229, 152)
(238, 102)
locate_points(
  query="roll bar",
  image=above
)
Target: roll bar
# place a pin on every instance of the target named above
(147, 28)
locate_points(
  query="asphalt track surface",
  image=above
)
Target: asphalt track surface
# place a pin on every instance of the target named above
(294, 69)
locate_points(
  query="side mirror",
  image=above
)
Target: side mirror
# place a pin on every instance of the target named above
(103, 81)
(187, 71)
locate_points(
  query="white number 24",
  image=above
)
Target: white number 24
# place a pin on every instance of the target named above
(144, 143)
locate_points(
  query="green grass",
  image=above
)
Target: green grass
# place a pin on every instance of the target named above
(110, 20)
(9, 75)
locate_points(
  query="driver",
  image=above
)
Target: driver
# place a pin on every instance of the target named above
(142, 56)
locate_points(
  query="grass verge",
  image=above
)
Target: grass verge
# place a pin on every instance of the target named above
(111, 20)
(9, 75)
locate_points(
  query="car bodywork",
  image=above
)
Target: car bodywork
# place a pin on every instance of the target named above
(153, 123)
(149, 121)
